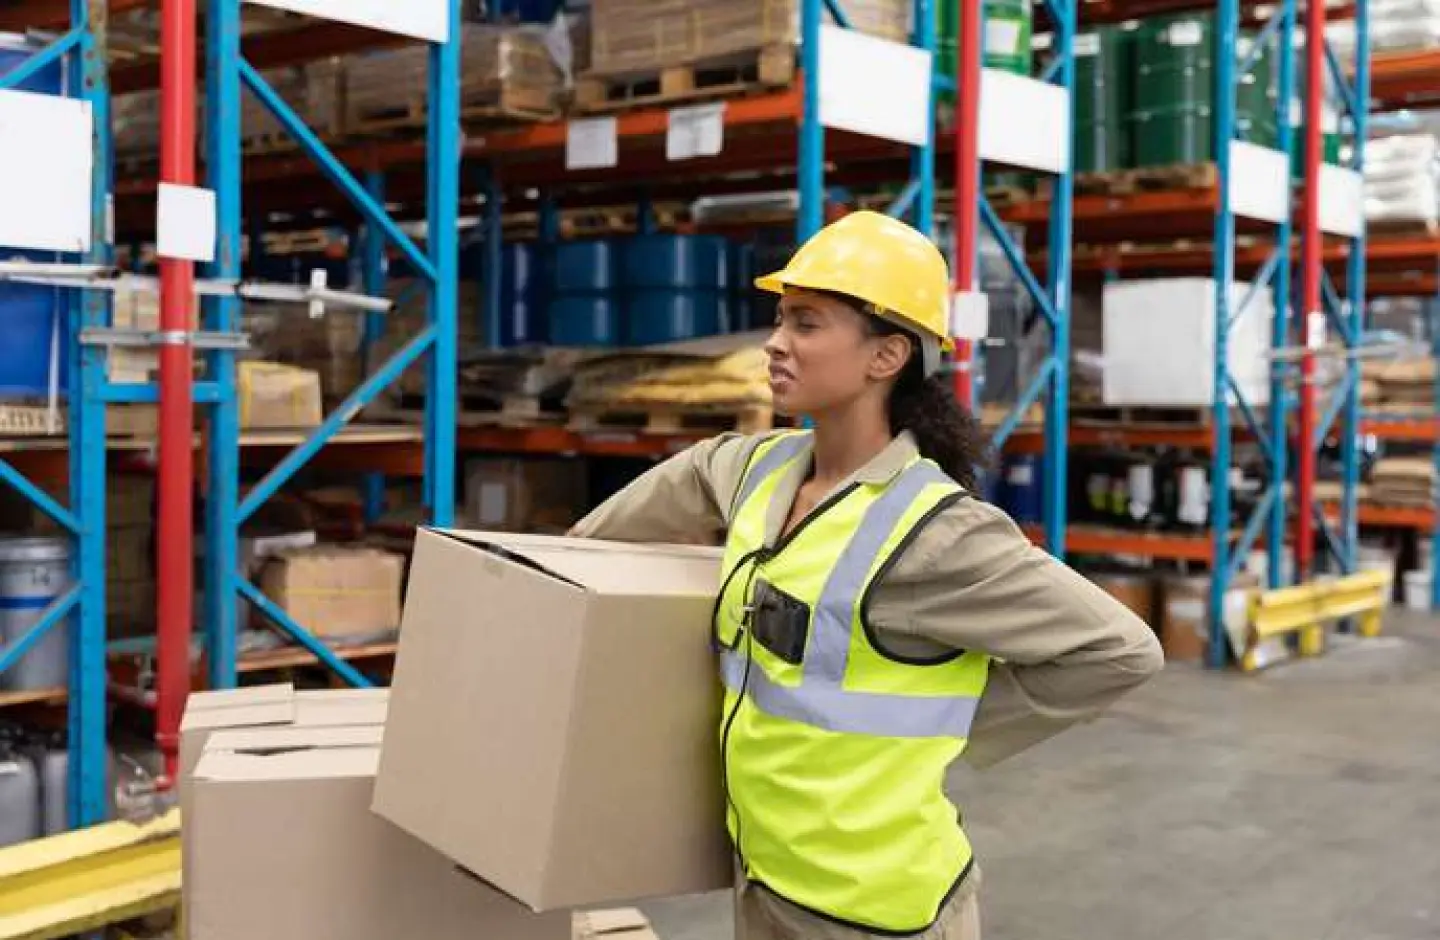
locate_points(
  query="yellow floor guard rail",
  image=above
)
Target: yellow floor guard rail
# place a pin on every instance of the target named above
(88, 879)
(1304, 610)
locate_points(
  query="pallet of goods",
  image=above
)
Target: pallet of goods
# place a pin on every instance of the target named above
(649, 52)
(508, 73)
(705, 385)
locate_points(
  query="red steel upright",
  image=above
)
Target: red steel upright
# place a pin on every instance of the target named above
(1311, 310)
(175, 561)
(967, 179)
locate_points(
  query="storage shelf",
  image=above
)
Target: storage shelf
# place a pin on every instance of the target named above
(1094, 540)
(290, 657)
(1419, 430)
(1389, 517)
(32, 697)
(1402, 79)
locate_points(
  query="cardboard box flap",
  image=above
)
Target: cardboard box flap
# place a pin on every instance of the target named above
(323, 712)
(348, 696)
(606, 567)
(319, 763)
(232, 708)
(269, 740)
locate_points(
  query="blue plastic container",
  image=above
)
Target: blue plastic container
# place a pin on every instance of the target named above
(583, 309)
(36, 332)
(521, 295)
(1021, 490)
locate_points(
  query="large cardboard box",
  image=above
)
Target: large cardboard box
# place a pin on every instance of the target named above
(275, 396)
(286, 848)
(337, 591)
(262, 707)
(554, 714)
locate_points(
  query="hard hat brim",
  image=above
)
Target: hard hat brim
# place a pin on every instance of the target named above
(776, 283)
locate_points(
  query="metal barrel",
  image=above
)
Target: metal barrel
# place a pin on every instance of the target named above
(34, 571)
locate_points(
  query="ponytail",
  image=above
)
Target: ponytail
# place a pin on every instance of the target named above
(945, 431)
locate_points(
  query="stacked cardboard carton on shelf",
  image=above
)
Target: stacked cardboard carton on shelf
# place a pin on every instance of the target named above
(507, 72)
(675, 49)
(280, 841)
(327, 345)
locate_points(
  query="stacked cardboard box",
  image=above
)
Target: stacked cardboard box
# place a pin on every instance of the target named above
(639, 36)
(279, 840)
(583, 677)
(327, 345)
(541, 495)
(506, 71)
(274, 396)
(130, 555)
(337, 592)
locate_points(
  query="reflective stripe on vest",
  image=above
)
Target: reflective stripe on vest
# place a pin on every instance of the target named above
(778, 455)
(820, 699)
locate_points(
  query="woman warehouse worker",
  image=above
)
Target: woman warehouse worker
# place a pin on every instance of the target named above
(869, 601)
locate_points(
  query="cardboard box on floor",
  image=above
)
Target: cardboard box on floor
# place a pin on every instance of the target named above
(553, 717)
(270, 706)
(285, 847)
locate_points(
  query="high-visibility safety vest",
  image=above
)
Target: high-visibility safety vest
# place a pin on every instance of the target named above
(835, 752)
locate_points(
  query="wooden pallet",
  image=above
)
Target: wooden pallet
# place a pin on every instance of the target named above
(28, 420)
(749, 72)
(1147, 179)
(505, 104)
(747, 419)
(1142, 415)
(1002, 196)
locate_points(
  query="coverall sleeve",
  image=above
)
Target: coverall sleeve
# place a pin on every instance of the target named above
(1065, 649)
(685, 499)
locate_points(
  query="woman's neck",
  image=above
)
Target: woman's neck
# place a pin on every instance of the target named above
(846, 442)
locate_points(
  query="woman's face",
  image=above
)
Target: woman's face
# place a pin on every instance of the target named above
(823, 355)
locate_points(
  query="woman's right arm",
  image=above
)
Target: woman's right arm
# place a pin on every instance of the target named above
(684, 499)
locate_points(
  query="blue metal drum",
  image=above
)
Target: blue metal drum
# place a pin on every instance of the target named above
(521, 295)
(1021, 489)
(673, 286)
(582, 308)
(36, 329)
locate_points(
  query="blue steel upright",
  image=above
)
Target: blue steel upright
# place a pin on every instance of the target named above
(1433, 308)
(1270, 436)
(436, 266)
(917, 199)
(87, 785)
(222, 162)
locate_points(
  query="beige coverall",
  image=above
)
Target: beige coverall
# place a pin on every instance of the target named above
(970, 580)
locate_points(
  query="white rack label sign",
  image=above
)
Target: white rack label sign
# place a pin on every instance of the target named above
(1342, 201)
(46, 158)
(697, 131)
(1259, 182)
(591, 144)
(422, 19)
(1041, 141)
(875, 87)
(185, 223)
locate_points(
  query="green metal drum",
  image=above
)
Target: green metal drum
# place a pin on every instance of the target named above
(1102, 99)
(1174, 91)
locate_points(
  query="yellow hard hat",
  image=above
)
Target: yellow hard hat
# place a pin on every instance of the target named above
(880, 260)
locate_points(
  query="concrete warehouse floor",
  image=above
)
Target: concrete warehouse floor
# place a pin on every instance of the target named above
(1302, 803)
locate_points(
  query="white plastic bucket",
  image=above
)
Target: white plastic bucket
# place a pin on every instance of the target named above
(1417, 590)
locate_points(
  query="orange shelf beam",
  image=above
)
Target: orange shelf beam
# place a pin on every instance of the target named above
(1398, 79)
(1087, 540)
(1390, 517)
(1411, 430)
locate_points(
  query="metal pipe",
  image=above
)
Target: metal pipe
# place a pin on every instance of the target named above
(1311, 312)
(811, 170)
(175, 553)
(967, 178)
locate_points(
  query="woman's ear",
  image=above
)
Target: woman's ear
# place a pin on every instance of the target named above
(892, 353)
